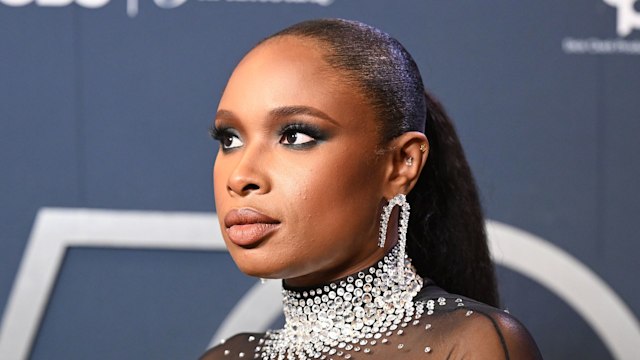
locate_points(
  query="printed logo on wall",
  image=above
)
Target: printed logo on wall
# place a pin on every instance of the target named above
(132, 5)
(628, 17)
(627, 20)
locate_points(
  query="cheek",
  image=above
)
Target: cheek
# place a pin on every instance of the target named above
(219, 181)
(344, 178)
(333, 193)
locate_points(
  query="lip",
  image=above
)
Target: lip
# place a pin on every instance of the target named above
(247, 227)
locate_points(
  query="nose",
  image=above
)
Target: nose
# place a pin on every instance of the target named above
(249, 174)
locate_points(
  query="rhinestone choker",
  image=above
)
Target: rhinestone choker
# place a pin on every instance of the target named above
(349, 315)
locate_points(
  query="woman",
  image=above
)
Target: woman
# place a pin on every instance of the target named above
(324, 128)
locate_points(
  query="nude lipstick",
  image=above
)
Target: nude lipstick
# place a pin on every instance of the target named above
(246, 227)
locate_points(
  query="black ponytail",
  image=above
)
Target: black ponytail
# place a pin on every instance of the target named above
(446, 240)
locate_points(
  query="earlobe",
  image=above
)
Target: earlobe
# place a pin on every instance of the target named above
(408, 155)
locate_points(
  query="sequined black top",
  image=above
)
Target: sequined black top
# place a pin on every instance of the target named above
(385, 311)
(450, 327)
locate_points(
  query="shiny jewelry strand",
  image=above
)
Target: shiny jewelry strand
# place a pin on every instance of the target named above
(348, 316)
(403, 226)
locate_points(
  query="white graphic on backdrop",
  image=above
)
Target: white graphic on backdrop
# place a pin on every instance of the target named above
(628, 18)
(55, 230)
(92, 4)
(132, 5)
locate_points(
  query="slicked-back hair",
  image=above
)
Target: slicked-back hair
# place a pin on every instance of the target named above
(446, 239)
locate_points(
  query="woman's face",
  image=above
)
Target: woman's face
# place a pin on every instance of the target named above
(297, 181)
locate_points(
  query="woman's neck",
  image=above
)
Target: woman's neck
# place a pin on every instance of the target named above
(343, 270)
(363, 305)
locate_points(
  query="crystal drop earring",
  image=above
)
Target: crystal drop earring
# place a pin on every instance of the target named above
(401, 201)
(403, 226)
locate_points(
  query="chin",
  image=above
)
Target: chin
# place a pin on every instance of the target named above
(259, 269)
(254, 272)
(264, 264)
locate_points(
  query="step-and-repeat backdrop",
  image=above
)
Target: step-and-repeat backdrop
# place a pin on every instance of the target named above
(109, 247)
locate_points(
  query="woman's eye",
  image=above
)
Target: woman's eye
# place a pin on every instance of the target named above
(296, 138)
(230, 141)
(226, 137)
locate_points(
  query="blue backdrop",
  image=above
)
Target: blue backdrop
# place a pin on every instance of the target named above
(106, 104)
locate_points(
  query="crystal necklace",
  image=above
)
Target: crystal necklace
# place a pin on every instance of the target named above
(347, 316)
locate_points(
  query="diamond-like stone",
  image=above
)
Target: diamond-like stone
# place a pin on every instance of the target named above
(357, 310)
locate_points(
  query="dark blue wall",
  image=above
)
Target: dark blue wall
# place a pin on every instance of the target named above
(102, 110)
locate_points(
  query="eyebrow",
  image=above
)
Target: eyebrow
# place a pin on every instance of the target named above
(225, 114)
(284, 111)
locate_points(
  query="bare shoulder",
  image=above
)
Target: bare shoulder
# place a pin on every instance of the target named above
(238, 346)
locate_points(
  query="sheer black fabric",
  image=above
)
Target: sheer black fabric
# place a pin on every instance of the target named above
(458, 328)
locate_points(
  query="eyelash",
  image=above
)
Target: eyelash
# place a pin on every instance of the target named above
(312, 131)
(221, 133)
(217, 133)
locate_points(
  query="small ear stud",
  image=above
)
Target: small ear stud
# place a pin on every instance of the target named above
(423, 147)
(409, 161)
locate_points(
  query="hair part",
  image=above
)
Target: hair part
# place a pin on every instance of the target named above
(446, 239)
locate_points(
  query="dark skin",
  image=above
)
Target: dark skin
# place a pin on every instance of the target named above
(302, 146)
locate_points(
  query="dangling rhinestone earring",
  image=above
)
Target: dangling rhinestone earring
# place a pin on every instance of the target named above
(400, 200)
(403, 226)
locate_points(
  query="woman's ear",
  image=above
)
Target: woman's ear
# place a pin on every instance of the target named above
(407, 155)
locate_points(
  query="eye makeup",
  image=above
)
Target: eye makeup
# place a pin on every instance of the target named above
(226, 136)
(288, 132)
(288, 136)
